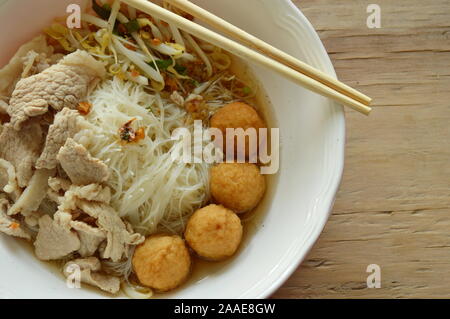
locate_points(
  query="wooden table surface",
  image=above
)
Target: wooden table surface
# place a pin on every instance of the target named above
(393, 206)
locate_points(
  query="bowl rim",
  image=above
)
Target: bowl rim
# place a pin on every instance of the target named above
(329, 198)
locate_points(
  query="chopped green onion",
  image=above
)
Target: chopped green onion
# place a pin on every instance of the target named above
(133, 26)
(180, 69)
(246, 90)
(161, 64)
(103, 12)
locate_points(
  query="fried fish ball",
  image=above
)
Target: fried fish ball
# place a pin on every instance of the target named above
(238, 115)
(214, 232)
(237, 186)
(162, 262)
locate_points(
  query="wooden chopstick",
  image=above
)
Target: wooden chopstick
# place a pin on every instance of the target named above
(246, 53)
(269, 50)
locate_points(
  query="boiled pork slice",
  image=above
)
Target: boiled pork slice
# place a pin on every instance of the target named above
(55, 240)
(66, 124)
(80, 166)
(118, 237)
(92, 192)
(22, 149)
(90, 273)
(64, 84)
(90, 238)
(11, 73)
(8, 181)
(8, 225)
(32, 197)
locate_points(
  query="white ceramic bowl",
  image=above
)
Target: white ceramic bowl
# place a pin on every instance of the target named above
(312, 147)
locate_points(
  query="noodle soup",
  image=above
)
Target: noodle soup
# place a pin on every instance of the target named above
(96, 189)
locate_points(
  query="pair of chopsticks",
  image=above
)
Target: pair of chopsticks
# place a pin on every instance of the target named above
(270, 57)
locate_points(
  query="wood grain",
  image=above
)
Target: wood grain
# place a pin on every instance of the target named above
(393, 206)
